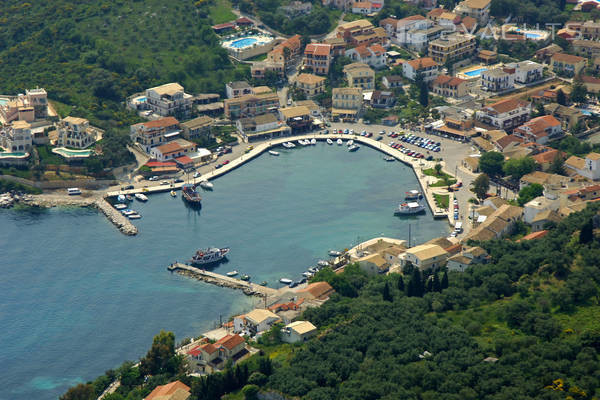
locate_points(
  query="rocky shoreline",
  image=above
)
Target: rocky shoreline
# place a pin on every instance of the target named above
(114, 216)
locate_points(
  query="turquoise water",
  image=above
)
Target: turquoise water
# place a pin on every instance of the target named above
(80, 153)
(475, 72)
(245, 42)
(15, 154)
(77, 297)
(3, 101)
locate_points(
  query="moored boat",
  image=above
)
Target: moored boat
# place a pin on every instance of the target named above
(340, 142)
(273, 153)
(206, 185)
(209, 256)
(141, 197)
(134, 216)
(350, 142)
(129, 197)
(263, 283)
(313, 141)
(335, 253)
(322, 263)
(232, 273)
(191, 195)
(329, 141)
(173, 193)
(285, 281)
(409, 208)
(245, 277)
(389, 159)
(120, 206)
(354, 147)
(413, 195)
(121, 198)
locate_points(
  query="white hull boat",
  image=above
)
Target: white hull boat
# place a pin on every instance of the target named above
(233, 273)
(340, 142)
(350, 142)
(354, 147)
(141, 197)
(134, 216)
(120, 206)
(307, 274)
(285, 281)
(322, 263)
(273, 153)
(313, 141)
(289, 145)
(206, 185)
(334, 253)
(329, 141)
(410, 208)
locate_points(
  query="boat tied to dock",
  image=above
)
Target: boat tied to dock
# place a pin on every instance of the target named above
(191, 195)
(209, 256)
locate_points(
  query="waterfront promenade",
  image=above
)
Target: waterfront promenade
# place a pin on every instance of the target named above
(418, 165)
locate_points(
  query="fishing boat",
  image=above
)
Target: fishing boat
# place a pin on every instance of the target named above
(141, 197)
(273, 153)
(409, 208)
(134, 216)
(350, 142)
(245, 277)
(232, 273)
(128, 212)
(191, 195)
(389, 159)
(413, 195)
(354, 147)
(129, 197)
(329, 141)
(206, 185)
(121, 198)
(285, 281)
(120, 206)
(322, 263)
(173, 193)
(313, 141)
(209, 256)
(287, 145)
(340, 142)
(335, 253)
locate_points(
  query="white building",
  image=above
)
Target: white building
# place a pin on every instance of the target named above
(298, 331)
(77, 133)
(478, 9)
(173, 150)
(497, 80)
(418, 39)
(373, 55)
(169, 99)
(257, 320)
(537, 205)
(425, 256)
(588, 167)
(425, 66)
(17, 137)
(526, 71)
(505, 114)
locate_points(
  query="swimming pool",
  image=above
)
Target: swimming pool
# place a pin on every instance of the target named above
(14, 154)
(3, 101)
(244, 42)
(141, 99)
(474, 72)
(67, 153)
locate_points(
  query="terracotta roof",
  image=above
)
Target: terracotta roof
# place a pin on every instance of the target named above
(590, 79)
(427, 251)
(170, 147)
(171, 391)
(534, 235)
(230, 341)
(567, 58)
(309, 79)
(477, 4)
(318, 49)
(377, 49)
(421, 63)
(160, 123)
(224, 25)
(507, 105)
(538, 126)
(436, 12)
(362, 4)
(243, 20)
(593, 156)
(319, 290)
(454, 249)
(575, 162)
(414, 18)
(547, 156)
(503, 142)
(302, 327)
(448, 80)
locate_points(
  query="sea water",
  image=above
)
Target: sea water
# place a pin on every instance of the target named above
(77, 297)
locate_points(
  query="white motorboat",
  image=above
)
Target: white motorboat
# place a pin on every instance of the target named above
(306, 142)
(121, 198)
(209, 256)
(206, 185)
(329, 141)
(134, 216)
(128, 212)
(307, 274)
(313, 141)
(120, 206)
(413, 195)
(173, 193)
(350, 142)
(313, 270)
(335, 253)
(285, 281)
(340, 142)
(233, 273)
(389, 159)
(141, 197)
(322, 263)
(409, 208)
(273, 153)
(301, 142)
(289, 145)
(354, 147)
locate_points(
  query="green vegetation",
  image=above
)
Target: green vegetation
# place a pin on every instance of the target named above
(491, 163)
(529, 193)
(481, 185)
(7, 185)
(531, 11)
(444, 179)
(220, 12)
(442, 200)
(517, 167)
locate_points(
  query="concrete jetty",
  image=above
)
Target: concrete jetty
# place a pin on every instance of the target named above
(249, 288)
(114, 216)
(418, 165)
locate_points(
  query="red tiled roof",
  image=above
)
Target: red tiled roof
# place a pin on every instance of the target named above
(318, 290)
(567, 58)
(226, 25)
(507, 105)
(534, 235)
(153, 164)
(547, 156)
(318, 49)
(230, 341)
(161, 123)
(168, 390)
(448, 80)
(590, 79)
(421, 63)
(184, 160)
(508, 139)
(436, 12)
(377, 49)
(244, 20)
(538, 126)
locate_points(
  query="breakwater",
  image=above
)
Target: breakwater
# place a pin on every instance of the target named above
(249, 288)
(114, 216)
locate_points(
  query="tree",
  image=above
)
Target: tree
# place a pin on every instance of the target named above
(444, 283)
(579, 91)
(561, 98)
(250, 392)
(558, 165)
(586, 235)
(161, 357)
(491, 163)
(83, 391)
(400, 284)
(517, 167)
(435, 283)
(529, 193)
(438, 169)
(481, 185)
(415, 285)
(387, 295)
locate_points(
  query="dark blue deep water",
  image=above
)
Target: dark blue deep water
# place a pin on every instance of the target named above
(77, 297)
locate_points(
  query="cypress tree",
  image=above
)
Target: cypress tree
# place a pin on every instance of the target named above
(400, 284)
(587, 232)
(444, 284)
(416, 283)
(387, 296)
(437, 287)
(429, 284)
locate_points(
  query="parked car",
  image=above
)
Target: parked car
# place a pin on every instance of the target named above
(225, 162)
(179, 180)
(128, 187)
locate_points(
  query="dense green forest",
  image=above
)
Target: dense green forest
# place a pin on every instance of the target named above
(89, 55)
(523, 326)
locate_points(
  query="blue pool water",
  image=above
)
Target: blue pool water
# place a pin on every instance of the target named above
(244, 42)
(475, 72)
(77, 297)
(3, 101)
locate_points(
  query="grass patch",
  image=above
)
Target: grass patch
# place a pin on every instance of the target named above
(442, 200)
(20, 173)
(221, 12)
(6, 185)
(582, 319)
(259, 57)
(61, 109)
(440, 183)
(48, 157)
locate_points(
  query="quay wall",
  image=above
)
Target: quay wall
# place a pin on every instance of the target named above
(90, 184)
(114, 216)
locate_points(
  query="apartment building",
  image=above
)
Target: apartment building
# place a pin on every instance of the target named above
(505, 114)
(426, 67)
(237, 89)
(526, 71)
(360, 75)
(298, 118)
(261, 127)
(154, 133)
(373, 55)
(586, 48)
(478, 9)
(567, 64)
(285, 51)
(588, 166)
(346, 103)
(251, 105)
(419, 39)
(361, 32)
(16, 137)
(540, 130)
(169, 99)
(497, 80)
(449, 86)
(31, 106)
(317, 56)
(391, 81)
(397, 29)
(77, 133)
(454, 47)
(367, 7)
(260, 69)
(197, 127)
(173, 150)
(590, 30)
(310, 84)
